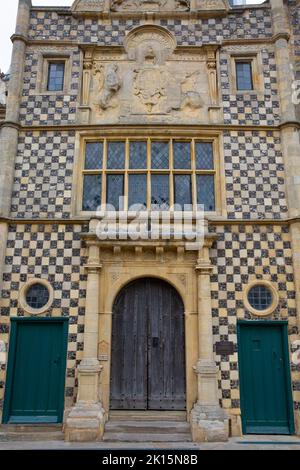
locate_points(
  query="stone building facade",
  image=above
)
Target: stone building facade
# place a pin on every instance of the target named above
(159, 72)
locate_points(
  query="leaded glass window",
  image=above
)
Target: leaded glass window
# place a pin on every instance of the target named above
(204, 156)
(182, 155)
(56, 76)
(244, 79)
(37, 296)
(183, 189)
(138, 155)
(94, 156)
(150, 172)
(206, 191)
(160, 155)
(137, 190)
(115, 190)
(260, 297)
(160, 192)
(116, 155)
(91, 192)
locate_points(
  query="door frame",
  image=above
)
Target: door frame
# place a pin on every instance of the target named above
(283, 324)
(15, 322)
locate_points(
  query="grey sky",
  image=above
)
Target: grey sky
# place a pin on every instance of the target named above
(7, 25)
(8, 19)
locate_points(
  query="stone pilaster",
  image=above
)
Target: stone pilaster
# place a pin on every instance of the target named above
(208, 421)
(86, 420)
(9, 134)
(290, 140)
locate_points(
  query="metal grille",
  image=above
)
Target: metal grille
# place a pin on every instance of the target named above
(137, 191)
(56, 76)
(204, 156)
(260, 297)
(206, 191)
(160, 193)
(138, 155)
(116, 155)
(183, 189)
(94, 156)
(244, 76)
(91, 192)
(115, 190)
(37, 296)
(160, 155)
(182, 155)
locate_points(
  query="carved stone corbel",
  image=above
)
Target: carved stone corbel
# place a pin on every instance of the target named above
(212, 76)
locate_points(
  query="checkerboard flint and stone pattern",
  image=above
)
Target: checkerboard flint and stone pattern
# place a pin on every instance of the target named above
(40, 108)
(294, 14)
(254, 172)
(243, 254)
(251, 108)
(252, 24)
(57, 254)
(43, 174)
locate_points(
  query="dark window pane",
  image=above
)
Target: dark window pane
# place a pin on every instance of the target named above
(206, 191)
(204, 156)
(160, 193)
(244, 76)
(94, 156)
(115, 190)
(116, 155)
(37, 296)
(56, 74)
(160, 155)
(182, 155)
(91, 192)
(137, 192)
(138, 155)
(260, 297)
(183, 189)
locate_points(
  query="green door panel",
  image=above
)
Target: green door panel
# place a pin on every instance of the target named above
(264, 378)
(36, 371)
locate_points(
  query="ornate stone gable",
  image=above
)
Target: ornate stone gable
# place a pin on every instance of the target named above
(148, 6)
(150, 80)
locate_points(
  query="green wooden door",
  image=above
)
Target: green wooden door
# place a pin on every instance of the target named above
(265, 378)
(36, 371)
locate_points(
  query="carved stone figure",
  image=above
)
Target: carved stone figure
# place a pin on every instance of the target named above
(190, 96)
(109, 84)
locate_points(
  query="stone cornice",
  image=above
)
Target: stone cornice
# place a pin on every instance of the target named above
(211, 221)
(19, 37)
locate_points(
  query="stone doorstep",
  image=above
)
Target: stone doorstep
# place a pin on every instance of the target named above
(38, 432)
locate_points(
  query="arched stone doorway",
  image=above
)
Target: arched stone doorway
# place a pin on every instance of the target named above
(148, 348)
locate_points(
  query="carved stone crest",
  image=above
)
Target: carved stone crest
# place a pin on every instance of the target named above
(150, 5)
(149, 86)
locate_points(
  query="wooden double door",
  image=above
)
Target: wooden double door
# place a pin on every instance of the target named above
(148, 348)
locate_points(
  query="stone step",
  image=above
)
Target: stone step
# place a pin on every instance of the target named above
(140, 426)
(145, 437)
(29, 432)
(148, 415)
(31, 436)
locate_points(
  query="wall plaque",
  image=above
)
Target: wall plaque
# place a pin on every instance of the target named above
(225, 348)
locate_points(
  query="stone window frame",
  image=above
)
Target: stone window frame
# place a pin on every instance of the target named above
(23, 292)
(275, 298)
(214, 138)
(42, 81)
(257, 74)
